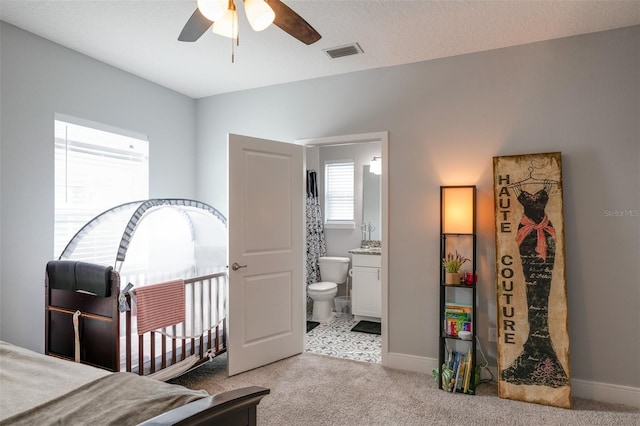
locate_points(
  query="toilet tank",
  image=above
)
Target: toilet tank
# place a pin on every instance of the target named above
(334, 269)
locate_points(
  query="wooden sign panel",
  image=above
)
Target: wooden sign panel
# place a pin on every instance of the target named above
(533, 335)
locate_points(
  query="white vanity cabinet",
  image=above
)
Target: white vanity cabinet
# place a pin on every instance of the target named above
(366, 293)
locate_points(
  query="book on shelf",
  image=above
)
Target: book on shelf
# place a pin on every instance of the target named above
(460, 366)
(446, 371)
(457, 317)
(456, 382)
(458, 307)
(461, 375)
(457, 310)
(468, 372)
(452, 327)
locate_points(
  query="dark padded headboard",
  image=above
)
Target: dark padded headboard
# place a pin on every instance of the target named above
(73, 276)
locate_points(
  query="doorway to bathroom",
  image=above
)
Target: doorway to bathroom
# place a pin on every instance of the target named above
(357, 328)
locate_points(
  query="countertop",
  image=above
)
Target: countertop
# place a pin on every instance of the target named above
(376, 251)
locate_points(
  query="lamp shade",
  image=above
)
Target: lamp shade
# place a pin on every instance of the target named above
(259, 14)
(228, 25)
(213, 9)
(458, 209)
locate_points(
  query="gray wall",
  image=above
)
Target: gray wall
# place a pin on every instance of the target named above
(446, 119)
(40, 78)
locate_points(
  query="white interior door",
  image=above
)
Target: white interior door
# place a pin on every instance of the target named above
(266, 252)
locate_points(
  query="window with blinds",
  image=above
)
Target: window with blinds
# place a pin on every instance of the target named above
(338, 193)
(95, 170)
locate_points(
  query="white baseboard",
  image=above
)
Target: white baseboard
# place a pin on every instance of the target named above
(604, 392)
(415, 363)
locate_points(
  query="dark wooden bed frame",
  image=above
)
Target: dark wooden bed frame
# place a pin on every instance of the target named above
(231, 408)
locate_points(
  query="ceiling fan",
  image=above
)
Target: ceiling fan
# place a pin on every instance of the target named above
(221, 17)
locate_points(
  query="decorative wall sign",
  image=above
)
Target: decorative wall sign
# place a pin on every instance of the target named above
(533, 335)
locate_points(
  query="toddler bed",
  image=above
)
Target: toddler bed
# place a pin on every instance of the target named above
(154, 302)
(43, 390)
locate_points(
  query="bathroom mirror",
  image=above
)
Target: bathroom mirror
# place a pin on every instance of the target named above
(371, 203)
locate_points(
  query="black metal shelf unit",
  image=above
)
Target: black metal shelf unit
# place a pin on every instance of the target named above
(463, 292)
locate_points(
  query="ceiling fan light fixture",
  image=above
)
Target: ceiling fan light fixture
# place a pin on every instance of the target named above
(228, 25)
(213, 9)
(259, 14)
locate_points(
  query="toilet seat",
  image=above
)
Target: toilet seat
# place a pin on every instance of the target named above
(333, 259)
(323, 286)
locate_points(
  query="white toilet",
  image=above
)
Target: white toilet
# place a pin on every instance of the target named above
(333, 271)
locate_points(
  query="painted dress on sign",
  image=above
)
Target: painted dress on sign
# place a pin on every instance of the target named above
(533, 337)
(538, 363)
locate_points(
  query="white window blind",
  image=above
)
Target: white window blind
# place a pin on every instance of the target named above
(95, 170)
(338, 190)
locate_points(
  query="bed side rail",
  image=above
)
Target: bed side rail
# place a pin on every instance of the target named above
(235, 407)
(202, 335)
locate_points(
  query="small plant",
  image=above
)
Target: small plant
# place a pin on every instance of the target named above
(452, 263)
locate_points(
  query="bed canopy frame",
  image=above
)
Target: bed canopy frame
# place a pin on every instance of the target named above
(144, 244)
(182, 238)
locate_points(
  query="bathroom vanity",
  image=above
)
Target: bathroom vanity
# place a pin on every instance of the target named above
(366, 292)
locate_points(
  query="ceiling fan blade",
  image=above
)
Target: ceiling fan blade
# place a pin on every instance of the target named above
(195, 27)
(292, 23)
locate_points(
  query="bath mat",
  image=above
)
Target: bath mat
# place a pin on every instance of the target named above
(311, 325)
(367, 327)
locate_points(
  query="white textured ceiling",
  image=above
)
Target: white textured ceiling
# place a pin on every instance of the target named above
(140, 36)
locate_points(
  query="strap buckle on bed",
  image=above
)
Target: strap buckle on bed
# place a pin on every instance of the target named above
(76, 334)
(123, 305)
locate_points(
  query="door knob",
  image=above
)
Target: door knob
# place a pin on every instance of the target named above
(237, 266)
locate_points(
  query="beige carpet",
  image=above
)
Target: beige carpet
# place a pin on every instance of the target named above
(311, 389)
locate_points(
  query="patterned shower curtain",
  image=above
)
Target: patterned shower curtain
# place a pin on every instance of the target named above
(316, 246)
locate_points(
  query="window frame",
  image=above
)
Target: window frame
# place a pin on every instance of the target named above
(331, 223)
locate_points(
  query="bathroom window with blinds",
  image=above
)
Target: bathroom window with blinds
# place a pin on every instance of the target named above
(338, 194)
(96, 168)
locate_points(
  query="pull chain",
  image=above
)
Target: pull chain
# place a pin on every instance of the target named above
(233, 48)
(234, 31)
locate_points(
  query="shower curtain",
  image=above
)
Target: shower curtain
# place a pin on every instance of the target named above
(316, 246)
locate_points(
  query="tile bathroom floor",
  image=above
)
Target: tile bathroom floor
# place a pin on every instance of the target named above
(336, 339)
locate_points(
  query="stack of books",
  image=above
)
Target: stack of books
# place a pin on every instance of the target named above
(459, 368)
(457, 317)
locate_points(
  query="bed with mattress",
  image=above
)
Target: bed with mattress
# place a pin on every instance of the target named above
(45, 390)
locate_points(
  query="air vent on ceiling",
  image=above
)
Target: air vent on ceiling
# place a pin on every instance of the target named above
(346, 50)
